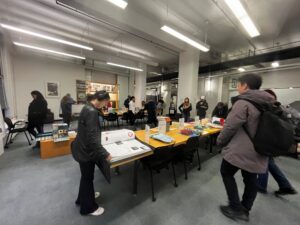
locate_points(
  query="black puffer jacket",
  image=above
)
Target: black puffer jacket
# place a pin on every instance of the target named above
(87, 145)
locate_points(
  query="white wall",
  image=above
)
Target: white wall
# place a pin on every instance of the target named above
(210, 88)
(31, 73)
(123, 89)
(280, 82)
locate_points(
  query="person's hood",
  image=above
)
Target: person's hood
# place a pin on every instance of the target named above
(260, 97)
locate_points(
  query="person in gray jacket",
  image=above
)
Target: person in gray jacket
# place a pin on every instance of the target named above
(88, 152)
(239, 152)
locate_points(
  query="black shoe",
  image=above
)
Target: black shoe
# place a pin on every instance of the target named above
(286, 191)
(234, 214)
(262, 191)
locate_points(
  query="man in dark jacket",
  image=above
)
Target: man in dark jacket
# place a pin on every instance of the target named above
(126, 102)
(202, 107)
(88, 152)
(238, 148)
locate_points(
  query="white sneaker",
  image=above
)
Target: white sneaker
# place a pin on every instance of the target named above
(98, 212)
(97, 194)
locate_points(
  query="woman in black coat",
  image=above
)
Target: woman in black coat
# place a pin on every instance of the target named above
(88, 152)
(220, 111)
(37, 113)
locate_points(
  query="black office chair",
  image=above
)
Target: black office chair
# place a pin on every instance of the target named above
(185, 153)
(161, 159)
(140, 116)
(124, 117)
(112, 117)
(13, 130)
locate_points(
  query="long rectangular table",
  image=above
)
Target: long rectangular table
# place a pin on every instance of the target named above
(179, 139)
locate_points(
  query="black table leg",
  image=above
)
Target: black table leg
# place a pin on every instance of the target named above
(135, 176)
(211, 142)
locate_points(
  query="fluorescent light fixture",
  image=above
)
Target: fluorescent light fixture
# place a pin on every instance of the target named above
(120, 3)
(241, 69)
(201, 46)
(275, 64)
(291, 88)
(9, 27)
(123, 66)
(155, 73)
(241, 14)
(48, 50)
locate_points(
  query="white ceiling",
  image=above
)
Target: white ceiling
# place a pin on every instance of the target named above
(133, 35)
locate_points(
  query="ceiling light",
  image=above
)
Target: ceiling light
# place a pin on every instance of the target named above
(241, 69)
(291, 88)
(123, 66)
(120, 3)
(241, 14)
(155, 73)
(9, 27)
(275, 64)
(202, 46)
(48, 50)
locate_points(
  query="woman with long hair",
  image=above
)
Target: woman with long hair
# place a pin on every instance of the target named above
(37, 112)
(185, 108)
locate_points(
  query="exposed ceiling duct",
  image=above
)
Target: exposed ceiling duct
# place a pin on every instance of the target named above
(284, 54)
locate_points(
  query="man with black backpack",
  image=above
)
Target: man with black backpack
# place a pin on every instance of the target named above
(236, 139)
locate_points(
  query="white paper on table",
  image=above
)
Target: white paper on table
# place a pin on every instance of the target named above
(197, 121)
(109, 137)
(162, 126)
(125, 149)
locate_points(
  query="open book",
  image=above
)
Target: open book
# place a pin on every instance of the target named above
(121, 144)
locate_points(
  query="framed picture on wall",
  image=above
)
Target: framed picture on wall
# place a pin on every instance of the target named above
(233, 83)
(52, 89)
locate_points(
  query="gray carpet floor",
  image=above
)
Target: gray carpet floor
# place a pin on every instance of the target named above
(42, 192)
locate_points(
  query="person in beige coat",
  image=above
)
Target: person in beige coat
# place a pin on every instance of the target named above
(239, 152)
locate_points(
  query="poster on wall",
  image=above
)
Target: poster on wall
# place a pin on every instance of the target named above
(81, 87)
(52, 89)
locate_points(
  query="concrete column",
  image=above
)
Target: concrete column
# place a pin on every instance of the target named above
(140, 85)
(131, 83)
(7, 65)
(188, 77)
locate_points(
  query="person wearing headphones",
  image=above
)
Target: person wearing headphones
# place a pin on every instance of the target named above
(88, 152)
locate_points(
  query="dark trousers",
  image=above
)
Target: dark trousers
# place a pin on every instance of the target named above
(67, 118)
(32, 126)
(86, 195)
(186, 117)
(278, 175)
(131, 117)
(250, 180)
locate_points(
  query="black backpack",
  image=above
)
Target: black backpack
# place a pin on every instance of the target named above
(275, 134)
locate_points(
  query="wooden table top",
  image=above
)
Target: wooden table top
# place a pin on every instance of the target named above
(174, 132)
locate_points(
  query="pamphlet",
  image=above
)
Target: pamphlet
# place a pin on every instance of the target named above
(60, 132)
(162, 126)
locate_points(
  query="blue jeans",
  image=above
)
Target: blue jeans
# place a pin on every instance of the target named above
(278, 175)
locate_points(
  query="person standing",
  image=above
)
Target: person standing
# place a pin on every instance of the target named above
(160, 107)
(151, 112)
(285, 187)
(220, 111)
(131, 111)
(202, 107)
(126, 102)
(37, 113)
(185, 108)
(239, 152)
(66, 108)
(88, 152)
